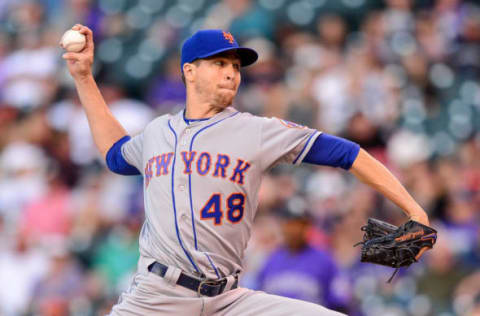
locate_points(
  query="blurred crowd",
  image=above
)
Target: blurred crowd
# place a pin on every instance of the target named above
(399, 77)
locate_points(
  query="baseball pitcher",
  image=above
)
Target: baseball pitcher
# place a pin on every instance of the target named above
(202, 170)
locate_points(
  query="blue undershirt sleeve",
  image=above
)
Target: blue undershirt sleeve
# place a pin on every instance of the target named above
(332, 151)
(115, 161)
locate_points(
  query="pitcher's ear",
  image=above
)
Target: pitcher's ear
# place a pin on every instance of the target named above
(189, 71)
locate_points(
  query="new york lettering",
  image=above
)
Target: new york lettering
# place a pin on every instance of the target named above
(203, 164)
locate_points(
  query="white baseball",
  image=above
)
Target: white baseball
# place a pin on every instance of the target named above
(73, 41)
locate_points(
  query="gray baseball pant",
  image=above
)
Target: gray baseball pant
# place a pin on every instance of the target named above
(151, 294)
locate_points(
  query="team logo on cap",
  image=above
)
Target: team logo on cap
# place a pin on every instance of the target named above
(228, 37)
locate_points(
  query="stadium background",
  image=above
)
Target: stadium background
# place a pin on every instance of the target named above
(399, 77)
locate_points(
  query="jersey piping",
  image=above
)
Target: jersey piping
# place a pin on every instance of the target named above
(173, 201)
(305, 146)
(211, 263)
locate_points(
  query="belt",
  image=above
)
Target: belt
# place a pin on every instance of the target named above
(202, 287)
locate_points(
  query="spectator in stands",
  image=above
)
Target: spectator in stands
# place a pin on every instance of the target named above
(296, 269)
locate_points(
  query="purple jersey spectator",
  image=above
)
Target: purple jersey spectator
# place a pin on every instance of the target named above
(167, 91)
(306, 275)
(166, 94)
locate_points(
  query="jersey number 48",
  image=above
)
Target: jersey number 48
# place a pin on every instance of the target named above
(213, 208)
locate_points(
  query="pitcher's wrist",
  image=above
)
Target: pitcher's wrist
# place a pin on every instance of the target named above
(83, 79)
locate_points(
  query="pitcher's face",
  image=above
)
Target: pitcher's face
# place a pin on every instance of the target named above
(217, 78)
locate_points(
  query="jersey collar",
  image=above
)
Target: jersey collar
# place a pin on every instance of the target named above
(189, 121)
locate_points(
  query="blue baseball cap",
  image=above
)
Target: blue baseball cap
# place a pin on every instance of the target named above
(206, 43)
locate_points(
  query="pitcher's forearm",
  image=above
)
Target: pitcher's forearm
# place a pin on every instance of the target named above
(105, 128)
(370, 171)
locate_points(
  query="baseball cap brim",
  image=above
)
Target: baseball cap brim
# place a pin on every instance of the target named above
(247, 55)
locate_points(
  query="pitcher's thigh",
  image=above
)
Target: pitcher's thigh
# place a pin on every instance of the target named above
(262, 304)
(152, 296)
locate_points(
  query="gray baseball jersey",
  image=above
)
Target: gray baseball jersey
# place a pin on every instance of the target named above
(201, 183)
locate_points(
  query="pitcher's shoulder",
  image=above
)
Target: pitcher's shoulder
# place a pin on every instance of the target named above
(247, 117)
(159, 122)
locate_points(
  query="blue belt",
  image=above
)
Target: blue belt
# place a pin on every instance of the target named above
(203, 287)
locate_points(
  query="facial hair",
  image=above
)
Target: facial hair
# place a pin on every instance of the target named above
(219, 98)
(223, 99)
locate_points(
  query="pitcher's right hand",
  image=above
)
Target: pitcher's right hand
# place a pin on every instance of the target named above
(80, 64)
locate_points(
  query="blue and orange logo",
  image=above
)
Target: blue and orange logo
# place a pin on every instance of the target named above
(229, 37)
(291, 124)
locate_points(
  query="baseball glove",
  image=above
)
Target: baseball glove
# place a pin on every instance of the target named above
(393, 246)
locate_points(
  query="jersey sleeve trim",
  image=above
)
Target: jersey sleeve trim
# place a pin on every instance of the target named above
(116, 162)
(306, 148)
